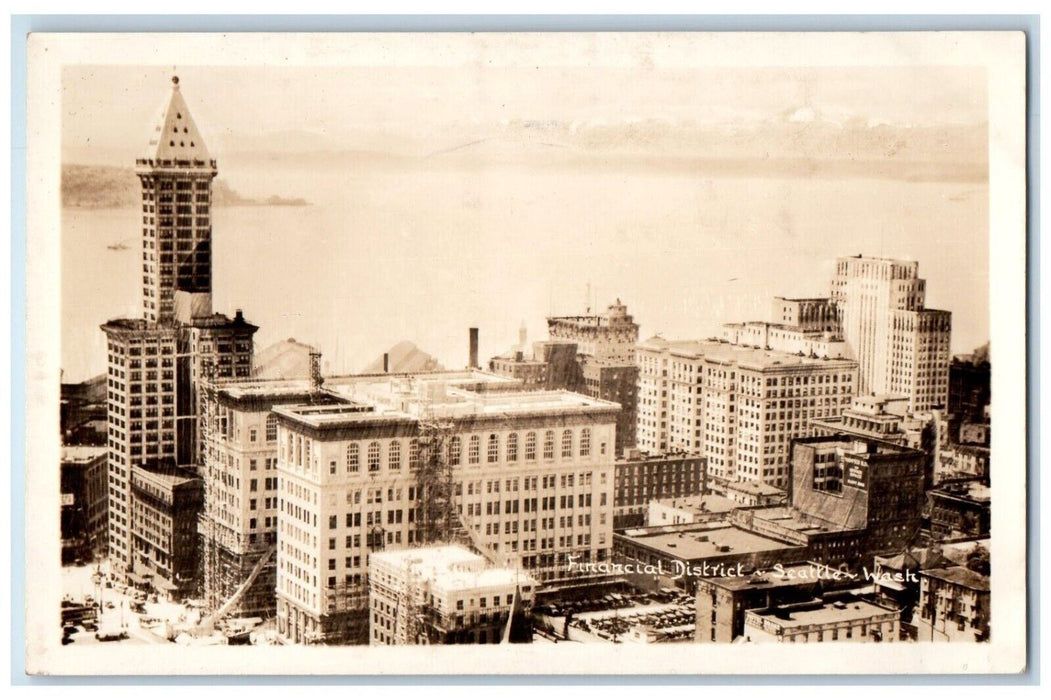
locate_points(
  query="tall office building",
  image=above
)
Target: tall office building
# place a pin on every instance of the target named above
(530, 477)
(738, 406)
(176, 174)
(155, 362)
(902, 347)
(238, 525)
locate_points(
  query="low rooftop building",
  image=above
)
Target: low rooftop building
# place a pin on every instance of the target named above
(678, 555)
(688, 509)
(445, 595)
(850, 620)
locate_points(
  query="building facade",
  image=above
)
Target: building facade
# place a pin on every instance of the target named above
(722, 602)
(641, 478)
(609, 338)
(954, 605)
(606, 359)
(84, 499)
(446, 595)
(847, 620)
(531, 475)
(850, 499)
(141, 416)
(239, 523)
(959, 510)
(807, 326)
(166, 502)
(739, 406)
(155, 362)
(901, 346)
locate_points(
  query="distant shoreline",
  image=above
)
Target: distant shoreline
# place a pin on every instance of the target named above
(107, 187)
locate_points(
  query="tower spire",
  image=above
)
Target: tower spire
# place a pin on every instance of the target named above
(176, 173)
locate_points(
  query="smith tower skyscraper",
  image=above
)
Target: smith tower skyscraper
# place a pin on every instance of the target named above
(176, 174)
(156, 362)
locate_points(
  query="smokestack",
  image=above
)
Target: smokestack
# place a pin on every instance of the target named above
(472, 358)
(386, 362)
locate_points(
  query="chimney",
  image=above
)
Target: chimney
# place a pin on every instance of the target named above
(472, 358)
(239, 317)
(386, 362)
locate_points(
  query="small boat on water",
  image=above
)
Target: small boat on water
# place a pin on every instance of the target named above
(117, 246)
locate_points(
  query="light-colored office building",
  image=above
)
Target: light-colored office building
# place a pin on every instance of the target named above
(901, 346)
(531, 475)
(445, 595)
(739, 406)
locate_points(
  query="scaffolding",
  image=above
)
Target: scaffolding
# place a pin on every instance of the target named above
(437, 515)
(207, 526)
(230, 564)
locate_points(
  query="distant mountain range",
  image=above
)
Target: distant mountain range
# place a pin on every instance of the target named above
(105, 186)
(800, 142)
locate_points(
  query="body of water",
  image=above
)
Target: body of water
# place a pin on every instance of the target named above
(421, 251)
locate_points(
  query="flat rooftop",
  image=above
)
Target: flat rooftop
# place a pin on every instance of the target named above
(451, 568)
(448, 395)
(81, 454)
(702, 541)
(168, 476)
(755, 487)
(828, 613)
(795, 520)
(741, 355)
(711, 503)
(439, 558)
(961, 576)
(975, 491)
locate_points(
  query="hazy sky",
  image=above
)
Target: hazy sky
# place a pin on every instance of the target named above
(103, 105)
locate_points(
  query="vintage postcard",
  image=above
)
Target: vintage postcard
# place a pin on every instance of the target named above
(594, 353)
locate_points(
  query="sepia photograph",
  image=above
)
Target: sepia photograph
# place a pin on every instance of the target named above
(585, 352)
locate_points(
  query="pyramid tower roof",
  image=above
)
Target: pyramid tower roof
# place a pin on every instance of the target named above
(173, 133)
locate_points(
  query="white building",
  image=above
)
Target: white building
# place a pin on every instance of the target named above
(853, 620)
(901, 346)
(739, 406)
(532, 472)
(442, 595)
(687, 510)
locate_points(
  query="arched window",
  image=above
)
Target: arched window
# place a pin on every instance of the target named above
(374, 456)
(474, 449)
(585, 442)
(549, 444)
(530, 446)
(567, 444)
(394, 455)
(493, 449)
(512, 447)
(414, 454)
(352, 458)
(455, 450)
